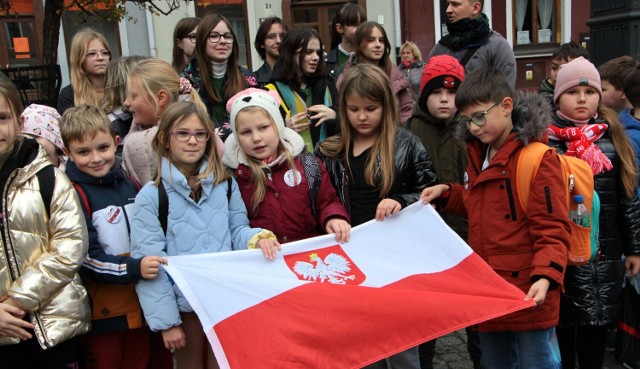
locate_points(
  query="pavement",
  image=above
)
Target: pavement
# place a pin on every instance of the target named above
(451, 353)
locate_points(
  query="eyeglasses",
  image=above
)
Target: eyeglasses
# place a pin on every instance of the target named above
(479, 118)
(94, 54)
(273, 36)
(184, 135)
(215, 37)
(192, 37)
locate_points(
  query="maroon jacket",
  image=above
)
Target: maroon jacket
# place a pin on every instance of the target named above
(286, 210)
(521, 248)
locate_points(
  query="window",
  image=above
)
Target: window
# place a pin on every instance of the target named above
(19, 43)
(536, 22)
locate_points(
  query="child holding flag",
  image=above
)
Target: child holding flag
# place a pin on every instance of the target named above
(527, 248)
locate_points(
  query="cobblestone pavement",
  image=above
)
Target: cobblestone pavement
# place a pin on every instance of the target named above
(451, 353)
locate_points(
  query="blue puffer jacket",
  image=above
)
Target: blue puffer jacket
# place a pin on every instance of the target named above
(214, 224)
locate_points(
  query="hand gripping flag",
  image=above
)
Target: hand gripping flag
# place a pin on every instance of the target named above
(397, 283)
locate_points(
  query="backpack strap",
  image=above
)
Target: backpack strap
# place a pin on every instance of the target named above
(135, 182)
(314, 178)
(527, 169)
(46, 181)
(163, 207)
(83, 198)
(229, 190)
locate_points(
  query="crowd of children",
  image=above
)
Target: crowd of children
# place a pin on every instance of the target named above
(134, 169)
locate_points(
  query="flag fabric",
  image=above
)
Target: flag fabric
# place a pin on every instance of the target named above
(395, 284)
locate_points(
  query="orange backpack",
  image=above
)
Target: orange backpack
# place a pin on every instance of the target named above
(579, 181)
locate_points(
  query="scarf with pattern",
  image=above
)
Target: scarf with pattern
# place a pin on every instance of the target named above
(580, 143)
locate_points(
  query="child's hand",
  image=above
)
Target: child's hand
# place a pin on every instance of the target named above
(386, 208)
(632, 264)
(11, 323)
(150, 265)
(538, 291)
(298, 122)
(321, 113)
(431, 193)
(340, 227)
(269, 247)
(174, 338)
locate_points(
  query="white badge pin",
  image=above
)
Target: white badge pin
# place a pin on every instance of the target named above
(289, 179)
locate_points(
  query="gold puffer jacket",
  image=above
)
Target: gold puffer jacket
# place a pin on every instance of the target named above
(40, 259)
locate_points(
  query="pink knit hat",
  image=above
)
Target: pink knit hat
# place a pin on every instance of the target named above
(42, 121)
(578, 72)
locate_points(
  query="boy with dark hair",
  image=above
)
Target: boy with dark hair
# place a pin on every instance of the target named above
(267, 43)
(527, 248)
(612, 74)
(343, 32)
(564, 54)
(118, 332)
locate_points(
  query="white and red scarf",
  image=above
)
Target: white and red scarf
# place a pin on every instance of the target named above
(580, 143)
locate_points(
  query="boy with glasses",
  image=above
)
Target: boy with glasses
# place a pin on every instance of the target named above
(268, 40)
(528, 249)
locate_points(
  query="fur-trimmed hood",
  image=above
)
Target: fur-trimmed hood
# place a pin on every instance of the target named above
(531, 116)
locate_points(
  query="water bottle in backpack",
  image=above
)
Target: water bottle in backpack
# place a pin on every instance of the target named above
(579, 214)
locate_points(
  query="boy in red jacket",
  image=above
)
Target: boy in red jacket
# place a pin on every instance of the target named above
(527, 249)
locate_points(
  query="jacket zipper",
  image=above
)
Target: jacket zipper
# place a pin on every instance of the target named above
(9, 243)
(547, 195)
(512, 204)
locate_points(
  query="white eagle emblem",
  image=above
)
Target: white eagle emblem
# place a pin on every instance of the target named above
(332, 269)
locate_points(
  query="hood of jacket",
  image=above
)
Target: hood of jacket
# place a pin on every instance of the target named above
(531, 116)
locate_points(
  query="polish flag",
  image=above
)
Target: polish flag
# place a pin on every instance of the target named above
(397, 283)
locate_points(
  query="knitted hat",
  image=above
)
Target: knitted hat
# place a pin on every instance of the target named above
(42, 121)
(269, 101)
(441, 71)
(578, 72)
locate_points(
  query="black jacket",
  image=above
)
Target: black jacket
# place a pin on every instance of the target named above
(413, 171)
(263, 74)
(592, 292)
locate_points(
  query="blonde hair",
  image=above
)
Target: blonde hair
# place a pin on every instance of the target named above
(9, 93)
(154, 75)
(115, 81)
(371, 83)
(255, 165)
(417, 55)
(83, 91)
(84, 121)
(628, 166)
(173, 116)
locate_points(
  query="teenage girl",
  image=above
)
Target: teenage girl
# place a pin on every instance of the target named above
(152, 86)
(214, 69)
(43, 304)
(184, 38)
(590, 304)
(373, 47)
(89, 57)
(377, 168)
(202, 218)
(275, 176)
(307, 94)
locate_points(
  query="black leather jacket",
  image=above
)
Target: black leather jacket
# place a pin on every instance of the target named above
(592, 292)
(413, 168)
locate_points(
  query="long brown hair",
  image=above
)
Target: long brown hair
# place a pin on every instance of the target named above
(235, 78)
(628, 166)
(174, 115)
(361, 39)
(371, 83)
(184, 26)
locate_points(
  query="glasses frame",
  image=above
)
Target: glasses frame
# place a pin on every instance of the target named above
(215, 38)
(94, 54)
(275, 35)
(174, 133)
(468, 120)
(191, 37)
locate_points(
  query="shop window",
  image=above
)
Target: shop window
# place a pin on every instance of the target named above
(536, 23)
(19, 43)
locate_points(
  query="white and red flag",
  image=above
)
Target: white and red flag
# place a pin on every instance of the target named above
(397, 283)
